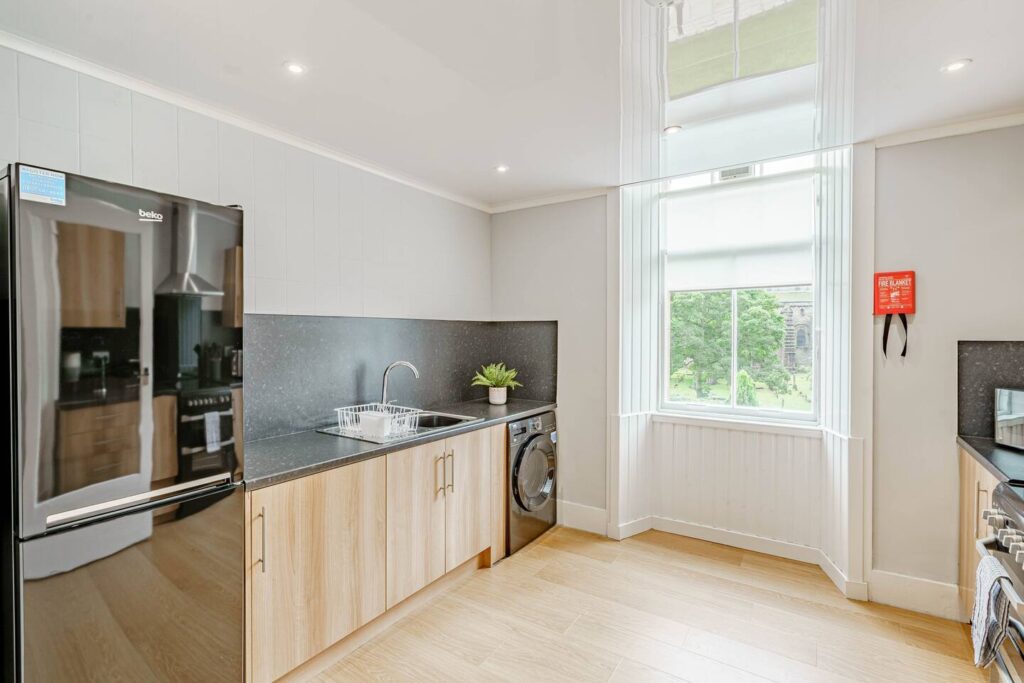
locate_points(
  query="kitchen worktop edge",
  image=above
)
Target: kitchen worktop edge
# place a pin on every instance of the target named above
(1003, 463)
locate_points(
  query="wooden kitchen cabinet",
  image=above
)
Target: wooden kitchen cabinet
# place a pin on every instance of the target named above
(439, 510)
(90, 267)
(416, 519)
(976, 486)
(165, 438)
(467, 514)
(317, 563)
(96, 443)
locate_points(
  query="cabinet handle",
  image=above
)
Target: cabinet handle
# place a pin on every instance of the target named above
(451, 454)
(444, 473)
(263, 542)
(977, 506)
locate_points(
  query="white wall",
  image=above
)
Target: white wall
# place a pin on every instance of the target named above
(549, 264)
(953, 210)
(321, 237)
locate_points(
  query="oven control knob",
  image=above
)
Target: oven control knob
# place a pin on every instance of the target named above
(1015, 547)
(997, 521)
(1012, 539)
(988, 512)
(1005, 533)
(1019, 557)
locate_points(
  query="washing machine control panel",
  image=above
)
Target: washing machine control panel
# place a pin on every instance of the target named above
(522, 430)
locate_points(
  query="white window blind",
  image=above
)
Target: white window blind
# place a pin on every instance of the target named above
(757, 233)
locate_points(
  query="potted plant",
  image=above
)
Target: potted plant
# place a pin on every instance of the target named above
(498, 379)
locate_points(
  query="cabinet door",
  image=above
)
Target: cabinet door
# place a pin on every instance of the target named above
(416, 503)
(468, 501)
(969, 512)
(318, 549)
(165, 438)
(91, 267)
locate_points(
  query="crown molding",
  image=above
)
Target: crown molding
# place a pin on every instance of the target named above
(82, 66)
(951, 130)
(545, 200)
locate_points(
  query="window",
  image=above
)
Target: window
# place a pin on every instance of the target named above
(738, 291)
(715, 41)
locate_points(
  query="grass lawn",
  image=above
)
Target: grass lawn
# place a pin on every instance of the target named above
(799, 399)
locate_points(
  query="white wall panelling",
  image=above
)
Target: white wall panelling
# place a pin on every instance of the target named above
(321, 237)
(762, 484)
(633, 267)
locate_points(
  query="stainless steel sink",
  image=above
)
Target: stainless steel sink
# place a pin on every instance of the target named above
(430, 421)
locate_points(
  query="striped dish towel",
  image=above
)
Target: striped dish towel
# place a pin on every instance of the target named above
(991, 610)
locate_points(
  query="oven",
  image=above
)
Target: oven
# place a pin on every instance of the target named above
(1006, 544)
(196, 458)
(1008, 666)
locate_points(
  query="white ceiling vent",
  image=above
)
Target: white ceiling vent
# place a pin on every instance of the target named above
(735, 173)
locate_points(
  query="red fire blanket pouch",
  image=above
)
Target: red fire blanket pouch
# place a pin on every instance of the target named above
(894, 295)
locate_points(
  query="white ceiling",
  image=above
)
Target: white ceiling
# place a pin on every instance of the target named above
(902, 44)
(441, 92)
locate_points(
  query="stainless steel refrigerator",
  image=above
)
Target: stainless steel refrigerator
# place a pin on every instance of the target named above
(122, 513)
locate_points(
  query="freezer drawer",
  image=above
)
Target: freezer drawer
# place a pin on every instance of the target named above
(165, 603)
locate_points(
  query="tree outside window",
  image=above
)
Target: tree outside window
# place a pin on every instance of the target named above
(741, 348)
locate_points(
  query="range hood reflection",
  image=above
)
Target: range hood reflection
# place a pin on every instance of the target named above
(183, 280)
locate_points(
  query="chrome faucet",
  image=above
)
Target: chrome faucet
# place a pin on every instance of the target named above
(384, 390)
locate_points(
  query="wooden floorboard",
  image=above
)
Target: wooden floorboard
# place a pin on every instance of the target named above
(656, 607)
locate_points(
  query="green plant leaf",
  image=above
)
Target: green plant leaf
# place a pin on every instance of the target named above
(496, 375)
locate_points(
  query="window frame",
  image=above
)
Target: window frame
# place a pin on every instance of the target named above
(732, 411)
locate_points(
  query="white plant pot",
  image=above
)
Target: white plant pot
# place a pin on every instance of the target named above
(497, 395)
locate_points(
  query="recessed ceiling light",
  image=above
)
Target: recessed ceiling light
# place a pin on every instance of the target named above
(295, 68)
(958, 65)
(672, 130)
(501, 168)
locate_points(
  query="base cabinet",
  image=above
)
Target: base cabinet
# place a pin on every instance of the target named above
(317, 563)
(330, 552)
(439, 510)
(976, 486)
(467, 513)
(416, 530)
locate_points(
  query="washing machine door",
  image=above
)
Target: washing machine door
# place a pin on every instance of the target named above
(533, 473)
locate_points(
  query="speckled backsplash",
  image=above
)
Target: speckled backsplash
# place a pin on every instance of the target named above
(298, 369)
(982, 366)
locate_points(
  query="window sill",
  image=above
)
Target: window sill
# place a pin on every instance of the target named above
(809, 431)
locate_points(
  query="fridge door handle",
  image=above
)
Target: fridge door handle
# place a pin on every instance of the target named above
(81, 513)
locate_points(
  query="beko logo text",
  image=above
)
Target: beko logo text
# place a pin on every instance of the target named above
(150, 216)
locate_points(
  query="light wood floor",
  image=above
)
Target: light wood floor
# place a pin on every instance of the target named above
(656, 607)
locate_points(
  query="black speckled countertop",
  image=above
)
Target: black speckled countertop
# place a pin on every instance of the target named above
(281, 458)
(1006, 464)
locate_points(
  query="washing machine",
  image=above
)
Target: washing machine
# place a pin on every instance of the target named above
(532, 477)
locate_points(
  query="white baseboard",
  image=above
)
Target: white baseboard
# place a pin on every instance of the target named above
(914, 593)
(623, 531)
(899, 590)
(583, 517)
(738, 539)
(855, 590)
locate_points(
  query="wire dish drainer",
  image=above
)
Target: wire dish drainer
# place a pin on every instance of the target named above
(377, 421)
